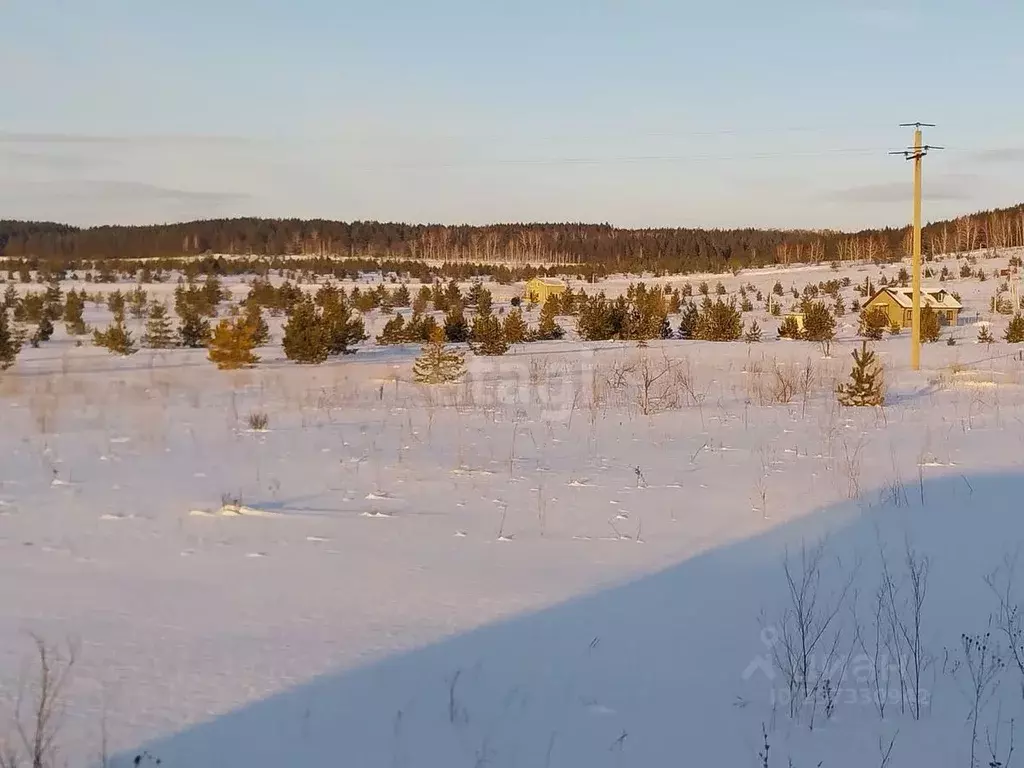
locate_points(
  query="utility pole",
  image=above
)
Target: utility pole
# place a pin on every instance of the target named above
(916, 153)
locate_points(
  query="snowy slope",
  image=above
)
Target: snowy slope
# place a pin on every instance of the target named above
(478, 574)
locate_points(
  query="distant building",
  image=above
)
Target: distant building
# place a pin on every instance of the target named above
(898, 304)
(539, 288)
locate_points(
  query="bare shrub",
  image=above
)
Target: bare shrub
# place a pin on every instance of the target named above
(1008, 619)
(258, 421)
(808, 635)
(980, 665)
(784, 384)
(38, 711)
(654, 385)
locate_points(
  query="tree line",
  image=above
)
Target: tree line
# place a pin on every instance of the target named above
(592, 249)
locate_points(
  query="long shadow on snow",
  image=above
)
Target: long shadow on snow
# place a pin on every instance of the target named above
(652, 671)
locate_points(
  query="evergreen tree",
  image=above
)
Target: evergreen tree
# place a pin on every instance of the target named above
(753, 334)
(819, 324)
(401, 298)
(137, 301)
(436, 364)
(231, 345)
(9, 348)
(675, 303)
(514, 328)
(195, 329)
(456, 329)
(985, 336)
(547, 328)
(420, 327)
(158, 329)
(719, 321)
(568, 302)
(422, 300)
(259, 327)
(476, 290)
(930, 329)
(452, 294)
(488, 338)
(306, 338)
(688, 322)
(344, 328)
(873, 322)
(53, 301)
(44, 331)
(789, 328)
(115, 302)
(116, 338)
(895, 329)
(394, 331)
(1015, 330)
(647, 313)
(865, 387)
(10, 297)
(74, 307)
(484, 301)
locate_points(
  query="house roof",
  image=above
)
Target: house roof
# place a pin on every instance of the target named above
(554, 282)
(940, 299)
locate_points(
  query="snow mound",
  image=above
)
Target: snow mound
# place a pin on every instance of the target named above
(232, 510)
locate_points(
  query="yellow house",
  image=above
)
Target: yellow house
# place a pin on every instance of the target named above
(539, 288)
(898, 304)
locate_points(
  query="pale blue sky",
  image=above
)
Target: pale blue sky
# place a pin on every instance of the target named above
(641, 113)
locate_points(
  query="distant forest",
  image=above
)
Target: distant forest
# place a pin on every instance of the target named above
(597, 248)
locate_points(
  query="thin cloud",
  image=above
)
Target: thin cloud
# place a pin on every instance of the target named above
(949, 189)
(1000, 155)
(106, 190)
(8, 137)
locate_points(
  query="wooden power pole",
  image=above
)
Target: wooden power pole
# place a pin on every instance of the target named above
(916, 153)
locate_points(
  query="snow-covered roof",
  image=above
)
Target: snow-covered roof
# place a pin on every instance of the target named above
(940, 299)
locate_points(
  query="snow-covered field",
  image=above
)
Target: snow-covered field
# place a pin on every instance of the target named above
(523, 569)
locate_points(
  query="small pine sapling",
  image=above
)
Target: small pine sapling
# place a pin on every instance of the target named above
(260, 329)
(436, 364)
(305, 335)
(1015, 330)
(865, 387)
(9, 347)
(514, 328)
(488, 337)
(873, 322)
(753, 334)
(158, 329)
(116, 338)
(195, 329)
(985, 336)
(231, 345)
(930, 330)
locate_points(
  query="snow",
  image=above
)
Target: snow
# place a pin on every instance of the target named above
(478, 574)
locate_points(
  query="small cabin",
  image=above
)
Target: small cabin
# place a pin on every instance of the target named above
(538, 289)
(898, 304)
